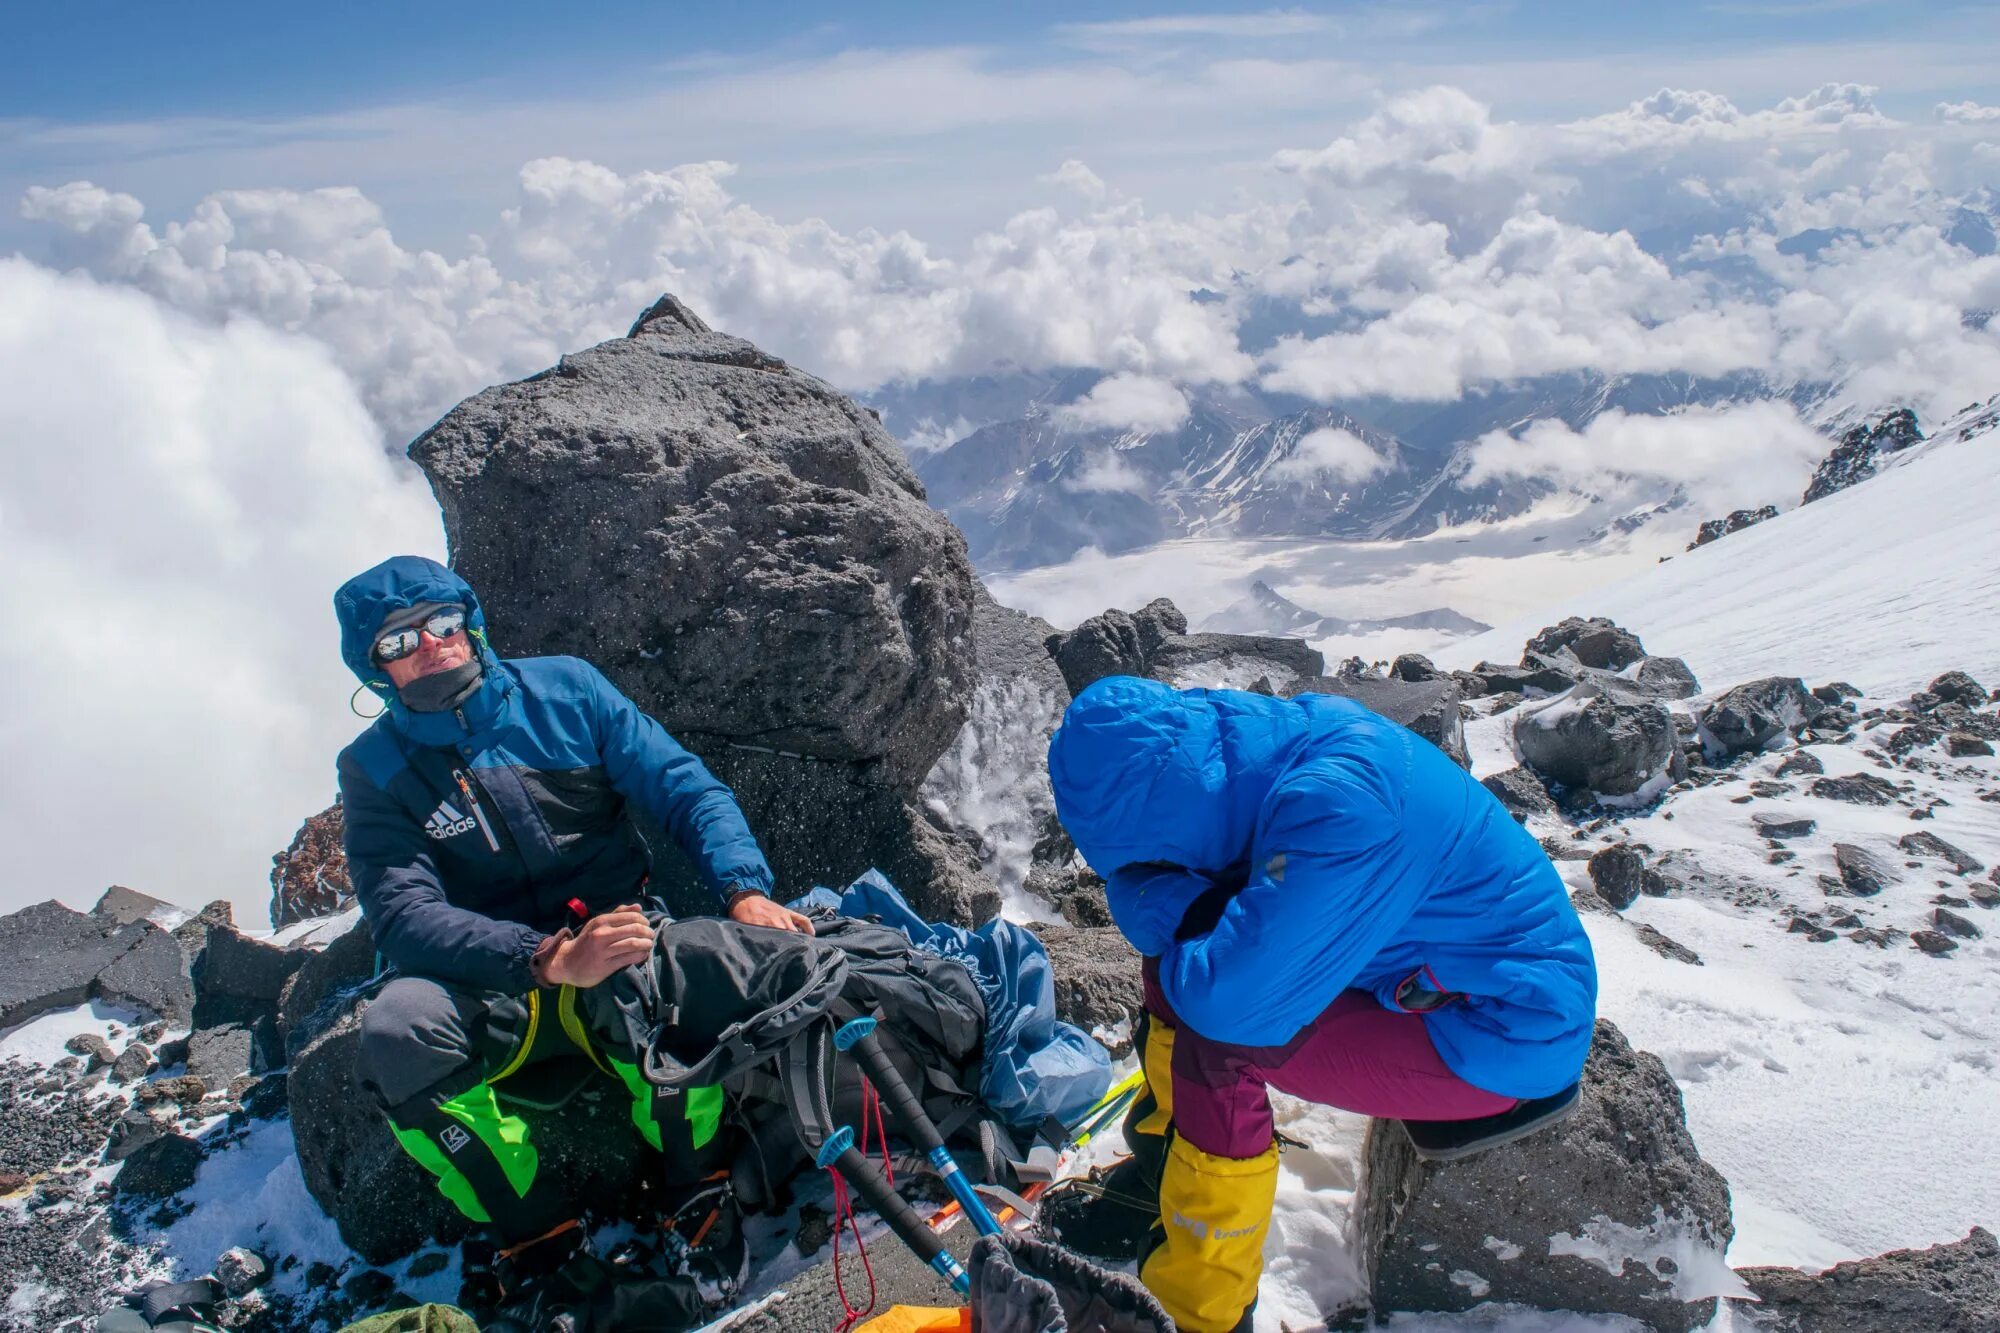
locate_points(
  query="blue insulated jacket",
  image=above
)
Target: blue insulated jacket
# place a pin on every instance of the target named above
(1329, 848)
(468, 832)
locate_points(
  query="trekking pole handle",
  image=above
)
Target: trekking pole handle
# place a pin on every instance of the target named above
(858, 1038)
(838, 1153)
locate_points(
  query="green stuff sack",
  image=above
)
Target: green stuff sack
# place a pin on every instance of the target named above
(417, 1319)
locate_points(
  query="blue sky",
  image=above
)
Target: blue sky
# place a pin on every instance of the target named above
(938, 118)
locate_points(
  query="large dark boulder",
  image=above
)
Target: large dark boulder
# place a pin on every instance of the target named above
(1752, 716)
(1521, 792)
(1612, 1211)
(1593, 641)
(1952, 1288)
(1427, 707)
(385, 1205)
(325, 978)
(126, 906)
(747, 553)
(1116, 643)
(1153, 642)
(1858, 455)
(309, 878)
(1539, 675)
(58, 957)
(1592, 745)
(160, 1167)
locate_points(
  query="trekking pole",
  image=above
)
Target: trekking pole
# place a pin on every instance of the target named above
(838, 1153)
(858, 1037)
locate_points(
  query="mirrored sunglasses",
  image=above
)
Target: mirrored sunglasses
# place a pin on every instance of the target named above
(402, 642)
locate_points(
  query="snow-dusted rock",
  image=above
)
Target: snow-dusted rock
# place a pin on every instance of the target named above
(1716, 528)
(1857, 457)
(1612, 1211)
(747, 553)
(1592, 745)
(1096, 977)
(1593, 641)
(57, 957)
(1952, 1288)
(1116, 643)
(1862, 874)
(1752, 716)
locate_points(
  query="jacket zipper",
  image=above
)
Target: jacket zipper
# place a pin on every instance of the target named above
(465, 786)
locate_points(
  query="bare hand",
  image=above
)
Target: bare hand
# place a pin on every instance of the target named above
(757, 910)
(606, 943)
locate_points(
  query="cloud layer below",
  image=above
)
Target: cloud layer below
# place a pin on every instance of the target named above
(178, 501)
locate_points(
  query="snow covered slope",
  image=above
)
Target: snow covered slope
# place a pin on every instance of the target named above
(1885, 584)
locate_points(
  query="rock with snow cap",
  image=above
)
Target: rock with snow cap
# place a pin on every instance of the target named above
(1858, 455)
(746, 553)
(1862, 873)
(1752, 716)
(1593, 641)
(1715, 529)
(58, 957)
(1611, 1211)
(1594, 746)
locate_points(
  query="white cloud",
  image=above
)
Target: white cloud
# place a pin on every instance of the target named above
(1127, 402)
(1331, 452)
(1109, 470)
(1076, 176)
(1967, 113)
(178, 502)
(1270, 23)
(1734, 456)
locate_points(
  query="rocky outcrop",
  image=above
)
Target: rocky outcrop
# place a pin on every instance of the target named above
(748, 555)
(58, 957)
(1717, 528)
(1593, 642)
(1427, 707)
(1153, 642)
(1593, 746)
(1612, 1211)
(1097, 979)
(309, 878)
(1522, 793)
(1951, 1288)
(1753, 716)
(1858, 455)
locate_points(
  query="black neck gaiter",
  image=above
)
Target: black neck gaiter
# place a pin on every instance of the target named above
(441, 691)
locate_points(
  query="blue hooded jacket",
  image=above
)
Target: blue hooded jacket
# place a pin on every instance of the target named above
(469, 831)
(1323, 848)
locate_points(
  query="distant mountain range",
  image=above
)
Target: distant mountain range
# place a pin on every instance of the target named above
(1030, 487)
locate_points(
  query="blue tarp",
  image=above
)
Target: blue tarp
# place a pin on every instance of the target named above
(1034, 1065)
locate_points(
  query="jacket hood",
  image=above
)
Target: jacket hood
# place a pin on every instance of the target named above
(1143, 772)
(402, 581)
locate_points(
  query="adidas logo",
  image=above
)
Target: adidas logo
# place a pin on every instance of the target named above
(447, 822)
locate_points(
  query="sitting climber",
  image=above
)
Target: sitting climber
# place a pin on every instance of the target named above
(490, 843)
(1327, 905)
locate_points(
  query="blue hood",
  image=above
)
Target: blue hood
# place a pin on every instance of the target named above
(402, 581)
(1143, 772)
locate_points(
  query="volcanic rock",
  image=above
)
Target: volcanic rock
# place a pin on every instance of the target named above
(1716, 528)
(1516, 1223)
(1771, 825)
(1590, 744)
(1801, 763)
(1413, 666)
(1116, 643)
(1670, 949)
(125, 906)
(133, 1063)
(1931, 845)
(1429, 707)
(1595, 642)
(748, 555)
(1856, 457)
(1956, 687)
(1096, 976)
(1618, 873)
(1951, 923)
(1539, 676)
(1952, 1288)
(160, 1168)
(57, 958)
(1933, 942)
(1862, 874)
(346, 963)
(309, 878)
(1753, 715)
(1521, 792)
(1855, 789)
(1964, 745)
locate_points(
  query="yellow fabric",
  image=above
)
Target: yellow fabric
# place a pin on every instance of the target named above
(528, 1041)
(1215, 1211)
(919, 1319)
(572, 1025)
(1157, 1063)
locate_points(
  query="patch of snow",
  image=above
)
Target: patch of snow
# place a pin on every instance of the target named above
(252, 1193)
(316, 932)
(1475, 1285)
(1504, 1250)
(43, 1040)
(1694, 1269)
(993, 780)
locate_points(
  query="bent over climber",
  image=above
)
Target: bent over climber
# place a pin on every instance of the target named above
(489, 842)
(1327, 905)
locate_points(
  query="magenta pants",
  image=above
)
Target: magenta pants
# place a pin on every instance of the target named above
(1356, 1055)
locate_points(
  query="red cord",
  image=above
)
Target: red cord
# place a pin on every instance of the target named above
(843, 1207)
(871, 1105)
